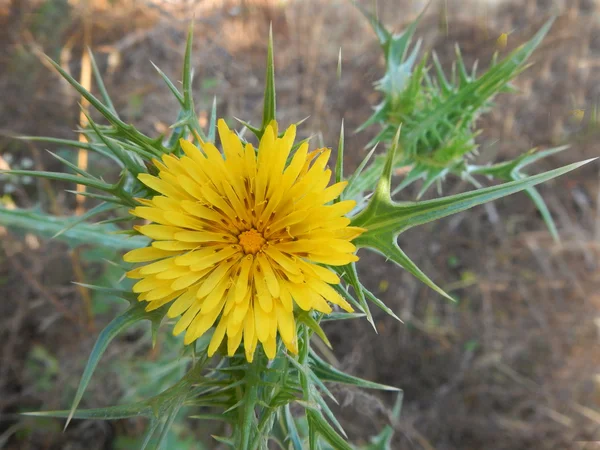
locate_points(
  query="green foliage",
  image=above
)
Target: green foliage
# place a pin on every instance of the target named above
(72, 230)
(385, 219)
(438, 114)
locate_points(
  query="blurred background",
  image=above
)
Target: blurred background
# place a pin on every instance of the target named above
(513, 364)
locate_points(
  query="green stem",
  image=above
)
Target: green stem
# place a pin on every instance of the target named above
(251, 394)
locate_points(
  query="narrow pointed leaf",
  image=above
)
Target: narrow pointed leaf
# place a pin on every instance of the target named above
(212, 124)
(326, 372)
(136, 313)
(169, 84)
(66, 177)
(188, 101)
(537, 199)
(99, 209)
(327, 432)
(392, 219)
(46, 225)
(312, 324)
(339, 164)
(291, 429)
(352, 275)
(269, 104)
(100, 84)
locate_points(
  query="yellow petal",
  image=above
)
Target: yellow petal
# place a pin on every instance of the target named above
(159, 266)
(270, 347)
(326, 275)
(215, 258)
(233, 342)
(215, 276)
(328, 293)
(286, 299)
(158, 232)
(240, 311)
(269, 275)
(262, 292)
(161, 300)
(151, 214)
(188, 279)
(173, 246)
(334, 259)
(160, 293)
(182, 303)
(148, 284)
(145, 254)
(187, 318)
(242, 282)
(201, 236)
(202, 323)
(262, 322)
(286, 324)
(216, 296)
(250, 338)
(300, 294)
(233, 327)
(287, 263)
(217, 338)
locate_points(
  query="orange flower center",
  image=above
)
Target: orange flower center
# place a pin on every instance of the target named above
(251, 241)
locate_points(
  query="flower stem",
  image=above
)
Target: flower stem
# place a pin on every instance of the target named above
(251, 396)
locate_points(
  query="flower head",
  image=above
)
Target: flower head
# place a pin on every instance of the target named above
(238, 239)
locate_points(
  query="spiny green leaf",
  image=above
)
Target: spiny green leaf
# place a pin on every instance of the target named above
(339, 164)
(47, 225)
(439, 129)
(384, 217)
(352, 277)
(330, 415)
(72, 143)
(188, 100)
(218, 417)
(356, 175)
(326, 431)
(100, 84)
(212, 125)
(134, 166)
(66, 177)
(103, 198)
(269, 105)
(134, 314)
(538, 201)
(326, 372)
(127, 130)
(380, 304)
(311, 323)
(341, 316)
(99, 209)
(290, 428)
(169, 84)
(253, 129)
(121, 294)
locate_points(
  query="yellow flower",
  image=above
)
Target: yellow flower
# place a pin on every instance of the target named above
(237, 239)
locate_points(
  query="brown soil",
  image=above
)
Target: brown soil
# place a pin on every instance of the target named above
(514, 364)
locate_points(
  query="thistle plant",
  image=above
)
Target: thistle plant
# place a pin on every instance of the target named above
(250, 244)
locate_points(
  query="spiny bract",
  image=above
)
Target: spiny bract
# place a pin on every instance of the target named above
(238, 238)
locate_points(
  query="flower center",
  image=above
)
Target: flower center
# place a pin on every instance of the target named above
(251, 241)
